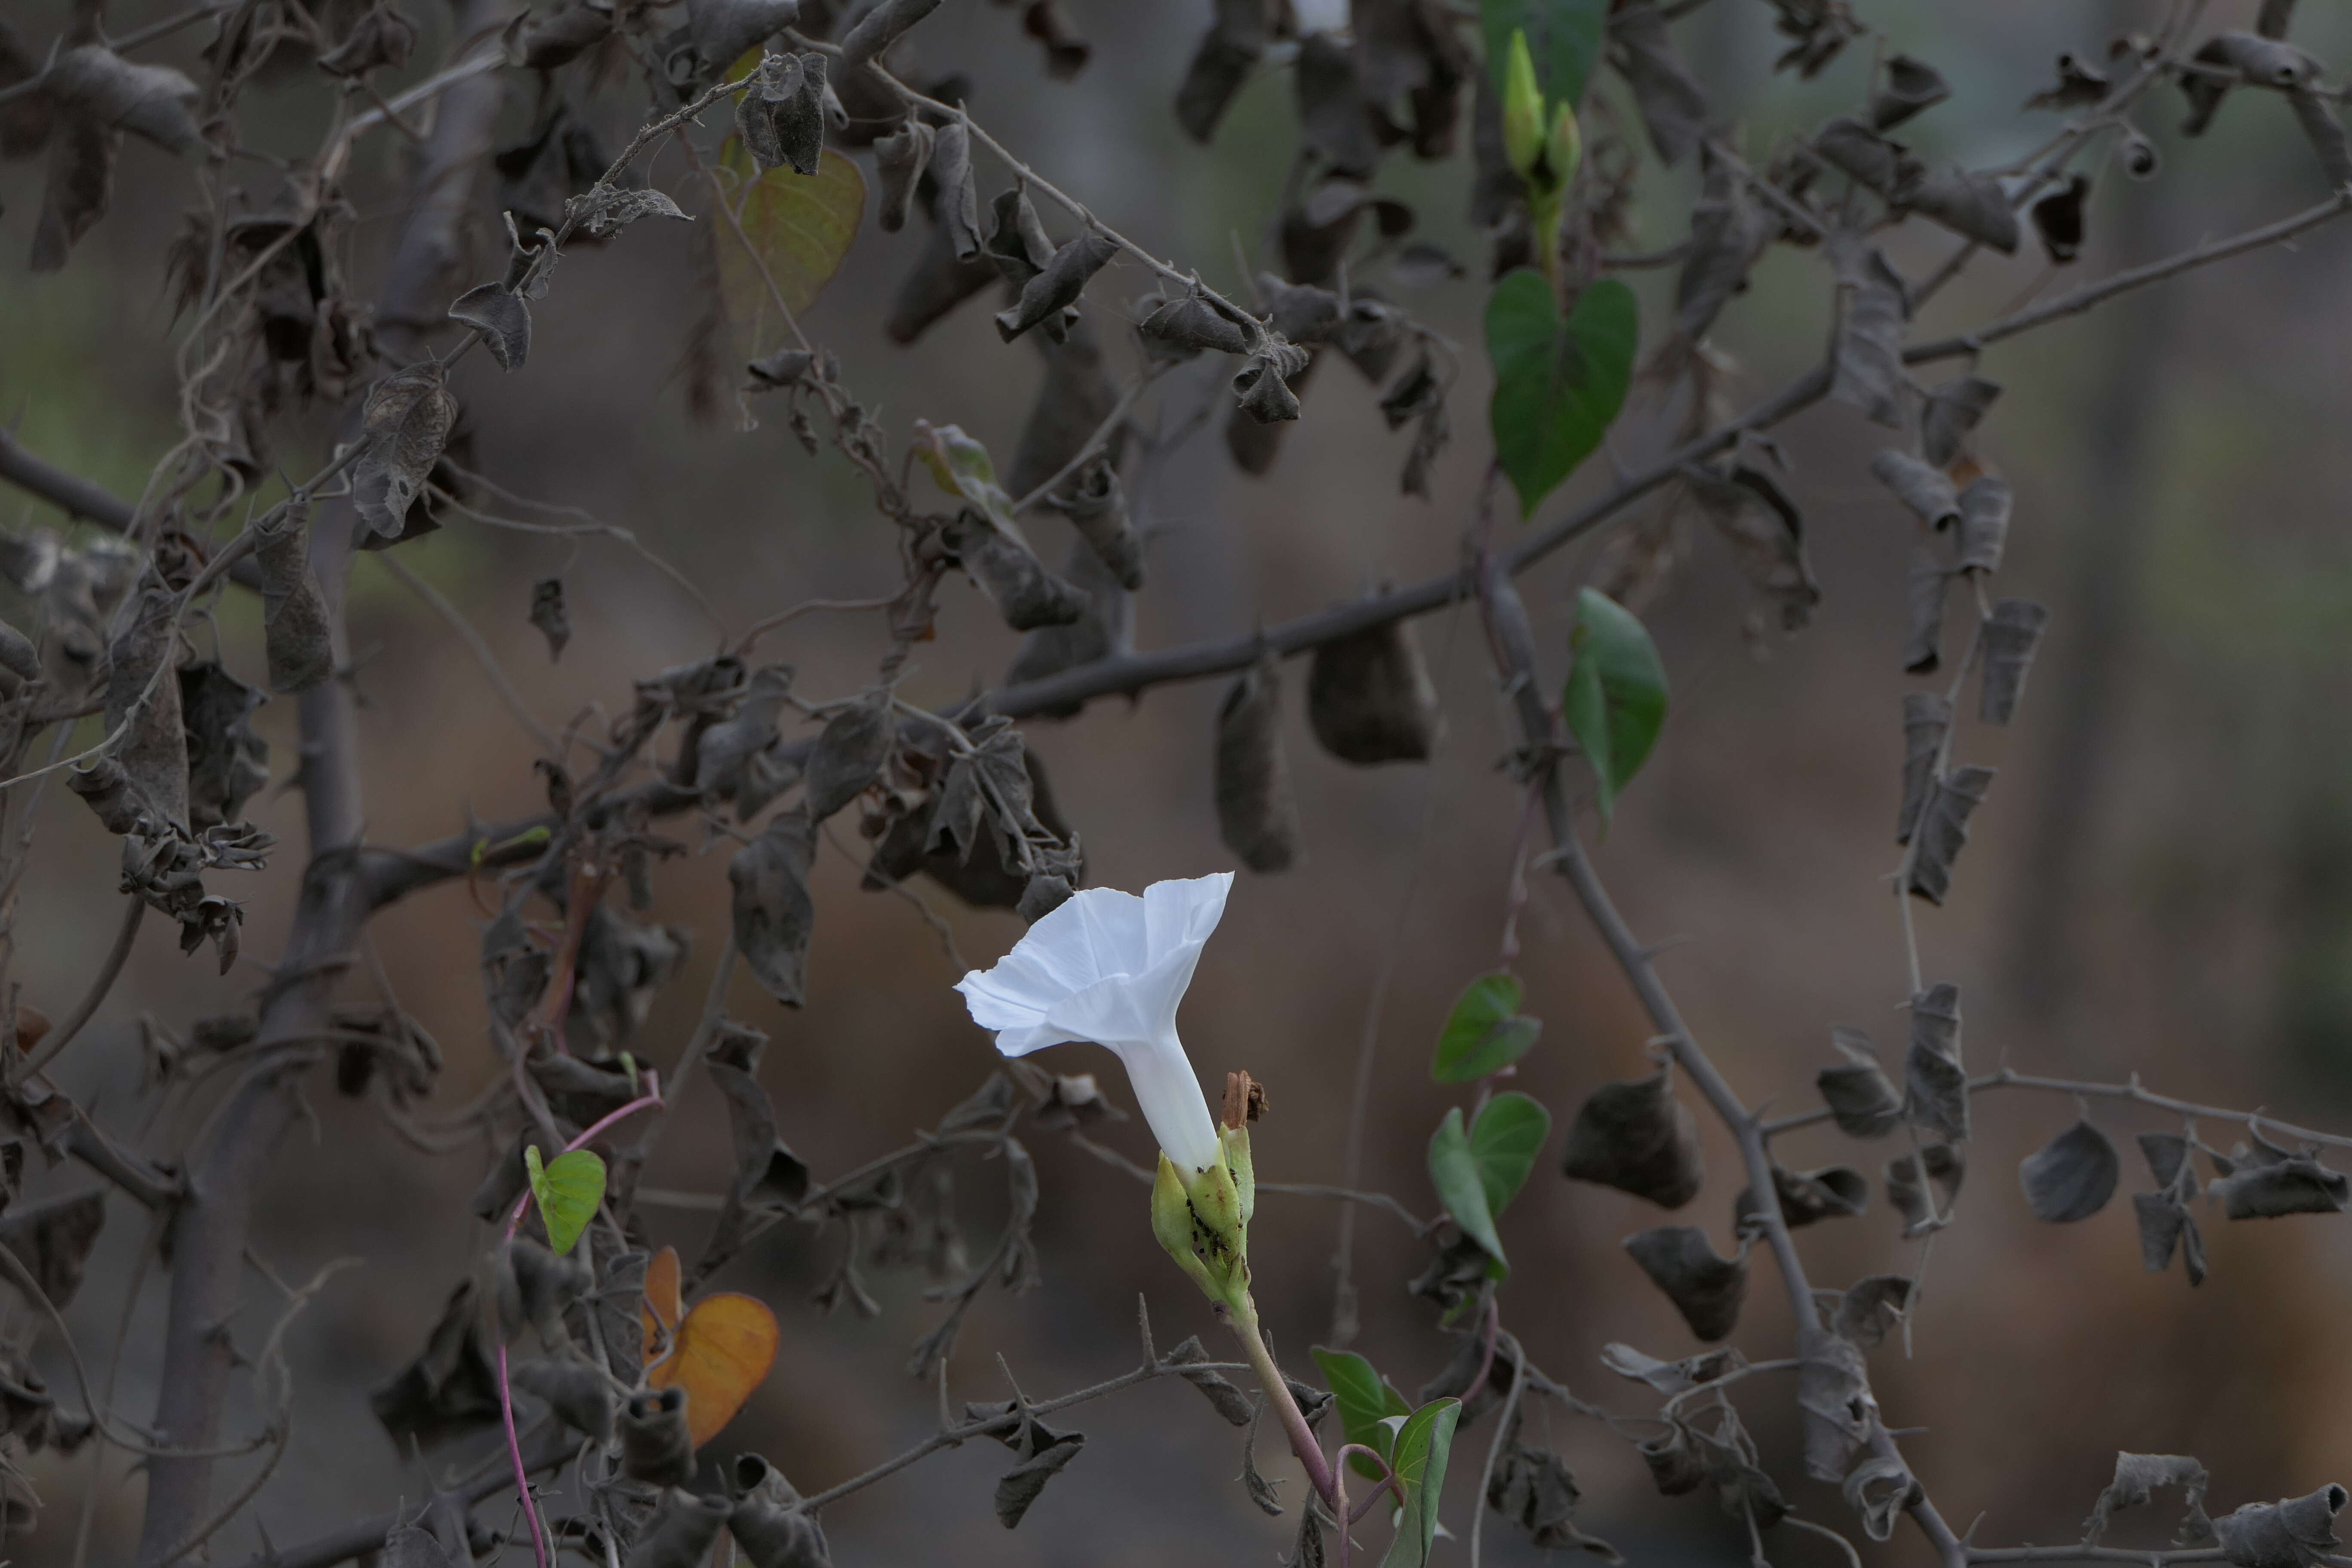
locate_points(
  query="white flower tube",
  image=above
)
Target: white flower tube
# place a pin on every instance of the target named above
(1109, 967)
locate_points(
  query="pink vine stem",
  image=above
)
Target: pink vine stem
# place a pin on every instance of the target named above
(651, 1099)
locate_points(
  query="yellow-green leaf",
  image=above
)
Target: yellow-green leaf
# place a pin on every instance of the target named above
(799, 227)
(568, 1188)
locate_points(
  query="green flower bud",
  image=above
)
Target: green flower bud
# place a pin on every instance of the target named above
(1564, 149)
(1204, 1225)
(1523, 107)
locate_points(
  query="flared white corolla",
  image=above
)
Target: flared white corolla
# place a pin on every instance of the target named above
(1109, 967)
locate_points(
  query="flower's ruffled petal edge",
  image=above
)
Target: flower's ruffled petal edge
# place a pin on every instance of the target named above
(1111, 967)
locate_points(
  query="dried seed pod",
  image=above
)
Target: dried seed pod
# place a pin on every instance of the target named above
(1258, 814)
(1862, 1099)
(2011, 636)
(1984, 523)
(1706, 1289)
(1370, 698)
(579, 1395)
(1058, 286)
(687, 1525)
(899, 159)
(1096, 505)
(656, 1445)
(1635, 1136)
(294, 629)
(1927, 719)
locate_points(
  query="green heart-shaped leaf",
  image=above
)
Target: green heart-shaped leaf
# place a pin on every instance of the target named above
(568, 1189)
(1423, 1445)
(1558, 384)
(798, 227)
(1503, 1143)
(1484, 1033)
(1616, 698)
(1563, 35)
(1478, 1171)
(1453, 1172)
(1368, 1406)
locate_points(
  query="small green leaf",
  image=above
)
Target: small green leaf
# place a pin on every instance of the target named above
(568, 1188)
(1558, 385)
(1484, 1033)
(1563, 37)
(1368, 1406)
(1616, 698)
(962, 467)
(1423, 1446)
(1453, 1172)
(1503, 1143)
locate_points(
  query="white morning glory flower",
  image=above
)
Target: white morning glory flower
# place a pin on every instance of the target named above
(1109, 967)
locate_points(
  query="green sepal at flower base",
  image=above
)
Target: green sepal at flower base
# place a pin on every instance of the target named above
(1205, 1222)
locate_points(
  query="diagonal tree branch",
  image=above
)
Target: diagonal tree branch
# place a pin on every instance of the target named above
(1514, 650)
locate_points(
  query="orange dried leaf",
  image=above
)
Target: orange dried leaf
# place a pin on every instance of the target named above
(723, 1352)
(663, 1308)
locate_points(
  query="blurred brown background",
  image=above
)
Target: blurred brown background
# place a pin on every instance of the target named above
(2161, 882)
